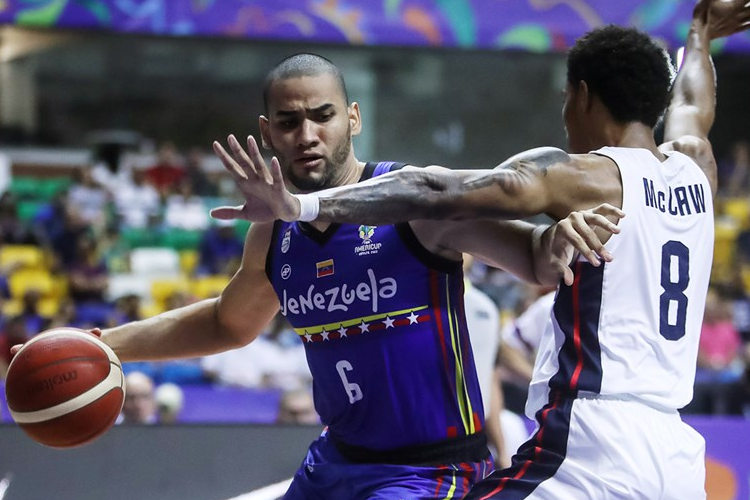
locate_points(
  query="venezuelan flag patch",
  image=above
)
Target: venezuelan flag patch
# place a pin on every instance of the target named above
(324, 268)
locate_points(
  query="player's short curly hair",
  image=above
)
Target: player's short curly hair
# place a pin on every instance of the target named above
(300, 65)
(626, 69)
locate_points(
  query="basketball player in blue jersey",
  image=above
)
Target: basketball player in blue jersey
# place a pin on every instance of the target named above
(379, 310)
(618, 359)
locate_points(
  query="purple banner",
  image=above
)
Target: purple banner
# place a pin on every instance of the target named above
(533, 25)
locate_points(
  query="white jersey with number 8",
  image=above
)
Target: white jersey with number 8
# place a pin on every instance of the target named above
(630, 328)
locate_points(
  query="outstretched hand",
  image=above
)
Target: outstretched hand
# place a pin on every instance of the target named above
(575, 235)
(266, 196)
(724, 17)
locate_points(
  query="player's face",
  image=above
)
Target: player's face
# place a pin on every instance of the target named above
(309, 128)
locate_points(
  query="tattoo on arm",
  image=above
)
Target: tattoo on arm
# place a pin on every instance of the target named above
(412, 194)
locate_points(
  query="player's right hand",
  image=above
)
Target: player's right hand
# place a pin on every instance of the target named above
(96, 332)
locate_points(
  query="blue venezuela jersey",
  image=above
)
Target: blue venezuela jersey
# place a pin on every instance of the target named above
(382, 321)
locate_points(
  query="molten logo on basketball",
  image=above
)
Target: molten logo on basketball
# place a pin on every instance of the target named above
(50, 383)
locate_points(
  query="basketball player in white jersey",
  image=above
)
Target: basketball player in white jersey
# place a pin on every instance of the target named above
(619, 359)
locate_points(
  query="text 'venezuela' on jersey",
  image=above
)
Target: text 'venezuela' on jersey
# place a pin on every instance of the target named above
(382, 320)
(630, 328)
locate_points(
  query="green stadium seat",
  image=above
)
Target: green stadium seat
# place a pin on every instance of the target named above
(181, 239)
(137, 238)
(27, 209)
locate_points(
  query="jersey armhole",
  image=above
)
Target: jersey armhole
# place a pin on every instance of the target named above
(269, 253)
(426, 257)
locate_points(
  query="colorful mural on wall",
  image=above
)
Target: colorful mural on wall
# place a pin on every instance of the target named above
(533, 25)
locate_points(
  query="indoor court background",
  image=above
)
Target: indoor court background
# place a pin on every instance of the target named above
(461, 83)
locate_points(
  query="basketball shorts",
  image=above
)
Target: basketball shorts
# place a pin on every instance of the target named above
(605, 449)
(326, 475)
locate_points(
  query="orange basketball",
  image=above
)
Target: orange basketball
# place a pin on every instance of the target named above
(65, 387)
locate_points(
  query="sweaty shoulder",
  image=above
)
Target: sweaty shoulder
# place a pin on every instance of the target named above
(699, 150)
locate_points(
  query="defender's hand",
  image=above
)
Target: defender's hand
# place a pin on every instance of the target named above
(575, 235)
(266, 196)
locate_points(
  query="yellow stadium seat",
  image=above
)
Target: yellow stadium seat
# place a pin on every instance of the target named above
(206, 287)
(28, 279)
(188, 261)
(26, 256)
(12, 307)
(724, 249)
(47, 307)
(151, 309)
(163, 288)
(738, 209)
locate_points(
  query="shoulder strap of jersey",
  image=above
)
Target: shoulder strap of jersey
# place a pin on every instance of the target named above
(374, 169)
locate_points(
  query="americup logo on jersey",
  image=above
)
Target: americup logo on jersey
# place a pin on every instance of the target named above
(339, 298)
(367, 247)
(324, 268)
(286, 241)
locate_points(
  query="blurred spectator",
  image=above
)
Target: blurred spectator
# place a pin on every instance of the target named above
(167, 171)
(14, 332)
(137, 203)
(184, 209)
(719, 359)
(88, 277)
(220, 250)
(203, 185)
(33, 320)
(90, 199)
(115, 251)
(521, 337)
(127, 309)
(13, 231)
(738, 170)
(5, 174)
(296, 407)
(140, 400)
(169, 402)
(276, 359)
(65, 240)
(66, 316)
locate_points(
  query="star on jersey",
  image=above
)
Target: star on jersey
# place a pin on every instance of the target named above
(384, 322)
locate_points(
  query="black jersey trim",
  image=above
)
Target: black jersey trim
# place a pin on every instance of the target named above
(471, 448)
(269, 254)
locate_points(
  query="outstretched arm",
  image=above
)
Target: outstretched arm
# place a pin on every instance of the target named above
(692, 109)
(518, 188)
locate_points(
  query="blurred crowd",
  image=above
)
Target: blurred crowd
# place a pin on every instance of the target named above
(113, 243)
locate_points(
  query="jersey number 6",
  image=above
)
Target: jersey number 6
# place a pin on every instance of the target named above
(352, 389)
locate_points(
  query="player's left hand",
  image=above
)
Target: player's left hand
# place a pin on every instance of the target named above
(266, 195)
(724, 17)
(576, 234)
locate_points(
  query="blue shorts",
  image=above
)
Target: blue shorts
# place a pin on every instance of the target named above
(326, 475)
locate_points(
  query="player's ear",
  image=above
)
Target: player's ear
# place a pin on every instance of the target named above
(265, 138)
(584, 97)
(355, 121)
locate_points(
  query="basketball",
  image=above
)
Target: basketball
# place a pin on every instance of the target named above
(65, 387)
